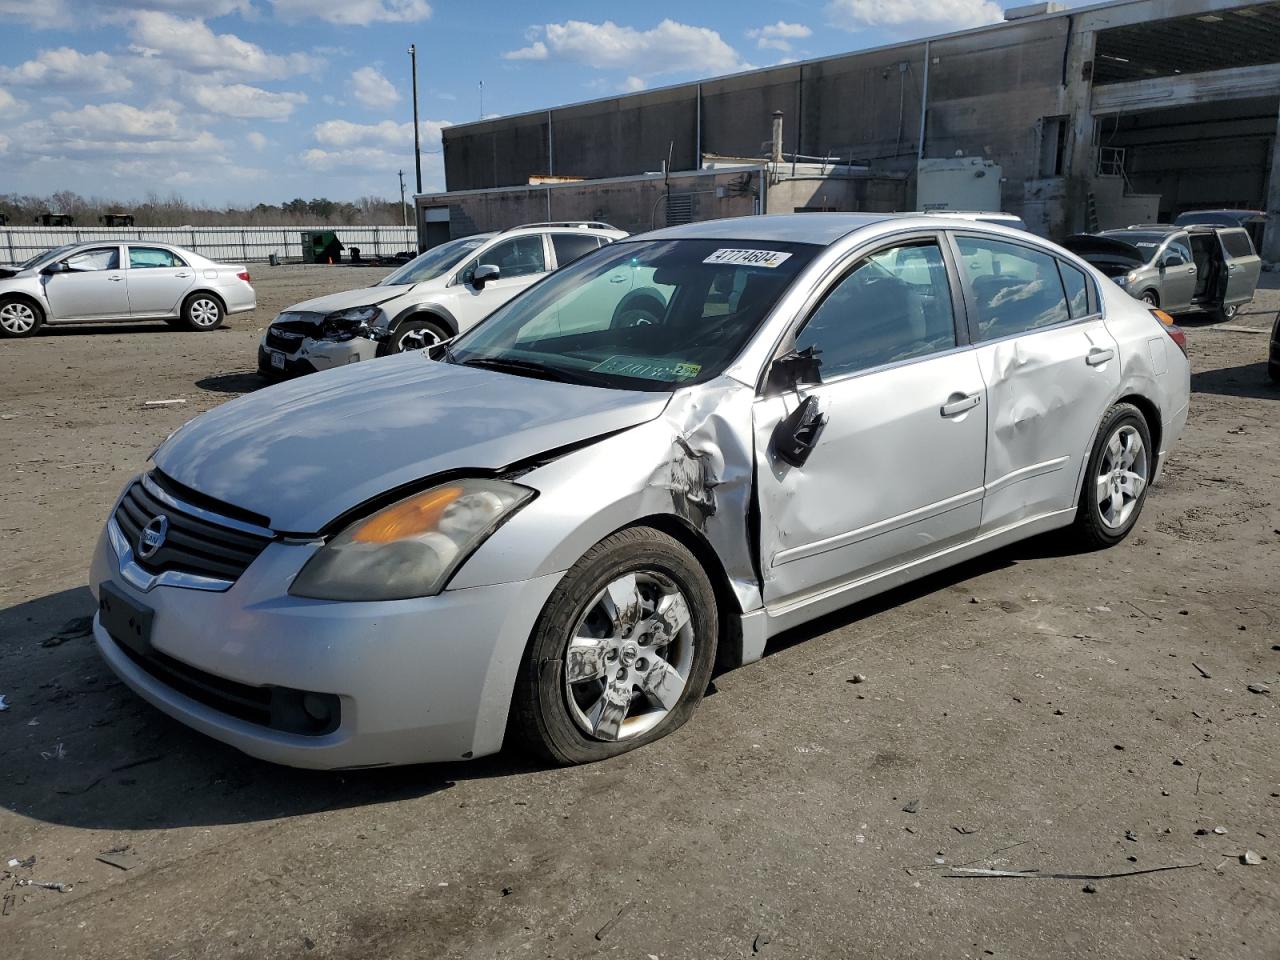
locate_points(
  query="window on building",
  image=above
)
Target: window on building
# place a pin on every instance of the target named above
(1053, 146)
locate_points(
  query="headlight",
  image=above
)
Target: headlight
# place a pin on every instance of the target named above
(345, 324)
(411, 548)
(1124, 281)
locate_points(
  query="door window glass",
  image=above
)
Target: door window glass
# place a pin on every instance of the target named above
(101, 258)
(1017, 289)
(893, 305)
(144, 257)
(517, 257)
(571, 246)
(1236, 243)
(1077, 288)
(1177, 252)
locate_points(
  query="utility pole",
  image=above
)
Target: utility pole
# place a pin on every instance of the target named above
(481, 99)
(417, 146)
(404, 211)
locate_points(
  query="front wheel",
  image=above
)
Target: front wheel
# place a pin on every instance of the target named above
(1150, 298)
(412, 335)
(622, 652)
(201, 312)
(1116, 481)
(19, 318)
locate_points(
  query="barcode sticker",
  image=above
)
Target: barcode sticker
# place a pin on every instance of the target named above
(748, 258)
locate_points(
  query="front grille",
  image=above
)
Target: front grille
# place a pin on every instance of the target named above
(190, 545)
(283, 340)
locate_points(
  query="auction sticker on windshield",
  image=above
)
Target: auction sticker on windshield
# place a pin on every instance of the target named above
(748, 258)
(649, 368)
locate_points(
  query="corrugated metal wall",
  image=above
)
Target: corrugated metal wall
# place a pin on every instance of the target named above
(232, 244)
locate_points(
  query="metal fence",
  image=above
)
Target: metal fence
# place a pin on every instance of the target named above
(232, 244)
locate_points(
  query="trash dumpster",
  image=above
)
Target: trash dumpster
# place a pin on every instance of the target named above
(321, 246)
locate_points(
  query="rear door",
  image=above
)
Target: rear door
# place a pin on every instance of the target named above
(896, 472)
(568, 247)
(1051, 369)
(158, 280)
(93, 288)
(1244, 266)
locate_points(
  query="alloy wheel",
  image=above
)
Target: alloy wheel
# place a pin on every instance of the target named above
(17, 318)
(629, 658)
(1122, 476)
(417, 340)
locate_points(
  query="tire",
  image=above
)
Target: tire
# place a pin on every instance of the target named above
(580, 721)
(19, 317)
(1223, 314)
(1273, 371)
(410, 333)
(1150, 298)
(1109, 505)
(202, 312)
(639, 311)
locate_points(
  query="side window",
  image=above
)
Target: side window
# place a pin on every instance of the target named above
(1177, 250)
(1077, 287)
(144, 257)
(893, 305)
(570, 246)
(517, 257)
(1017, 289)
(102, 258)
(1236, 243)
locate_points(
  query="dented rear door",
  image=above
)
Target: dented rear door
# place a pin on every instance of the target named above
(1050, 368)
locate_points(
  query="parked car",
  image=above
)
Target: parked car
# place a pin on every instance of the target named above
(1195, 269)
(446, 290)
(1273, 358)
(1254, 222)
(559, 523)
(121, 280)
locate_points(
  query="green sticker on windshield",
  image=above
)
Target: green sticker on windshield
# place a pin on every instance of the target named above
(649, 368)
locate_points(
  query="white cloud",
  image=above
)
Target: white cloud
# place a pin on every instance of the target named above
(9, 105)
(256, 140)
(192, 46)
(246, 102)
(633, 84)
(856, 14)
(344, 133)
(118, 120)
(65, 68)
(778, 36)
(373, 89)
(668, 48)
(354, 12)
(49, 14)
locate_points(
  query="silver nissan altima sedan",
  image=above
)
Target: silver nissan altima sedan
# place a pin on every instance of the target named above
(554, 528)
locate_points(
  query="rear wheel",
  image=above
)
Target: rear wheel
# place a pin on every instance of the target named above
(19, 317)
(622, 652)
(1116, 481)
(202, 311)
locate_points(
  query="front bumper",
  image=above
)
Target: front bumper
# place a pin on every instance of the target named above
(420, 680)
(311, 355)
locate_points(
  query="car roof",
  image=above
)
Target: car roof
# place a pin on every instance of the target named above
(818, 228)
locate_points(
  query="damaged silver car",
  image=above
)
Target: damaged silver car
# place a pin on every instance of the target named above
(553, 529)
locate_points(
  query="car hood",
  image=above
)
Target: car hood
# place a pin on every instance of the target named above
(348, 299)
(1089, 247)
(304, 452)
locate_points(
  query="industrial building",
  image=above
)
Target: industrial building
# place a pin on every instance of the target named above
(1099, 116)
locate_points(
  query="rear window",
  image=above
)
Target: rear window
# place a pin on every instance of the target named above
(570, 246)
(1236, 243)
(1077, 288)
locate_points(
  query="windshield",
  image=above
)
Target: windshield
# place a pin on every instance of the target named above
(434, 263)
(46, 255)
(1148, 243)
(644, 315)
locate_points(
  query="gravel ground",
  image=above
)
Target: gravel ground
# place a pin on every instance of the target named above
(1076, 713)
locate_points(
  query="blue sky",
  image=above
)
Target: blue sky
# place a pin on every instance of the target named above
(241, 101)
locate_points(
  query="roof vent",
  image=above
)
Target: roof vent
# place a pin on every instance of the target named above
(1034, 10)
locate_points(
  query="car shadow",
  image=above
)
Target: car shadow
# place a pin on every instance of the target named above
(246, 382)
(1249, 380)
(103, 329)
(79, 748)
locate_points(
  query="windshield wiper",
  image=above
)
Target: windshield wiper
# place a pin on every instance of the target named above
(530, 368)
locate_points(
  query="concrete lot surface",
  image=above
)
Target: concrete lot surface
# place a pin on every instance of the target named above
(1077, 713)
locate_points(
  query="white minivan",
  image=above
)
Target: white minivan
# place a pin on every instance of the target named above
(438, 295)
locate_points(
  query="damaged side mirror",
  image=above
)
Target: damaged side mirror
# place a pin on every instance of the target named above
(792, 370)
(797, 434)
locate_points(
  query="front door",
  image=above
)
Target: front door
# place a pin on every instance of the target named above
(1179, 274)
(158, 279)
(1050, 367)
(896, 472)
(93, 288)
(521, 261)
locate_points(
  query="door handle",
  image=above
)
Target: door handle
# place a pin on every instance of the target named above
(1098, 356)
(182, 276)
(958, 403)
(1191, 269)
(617, 279)
(115, 279)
